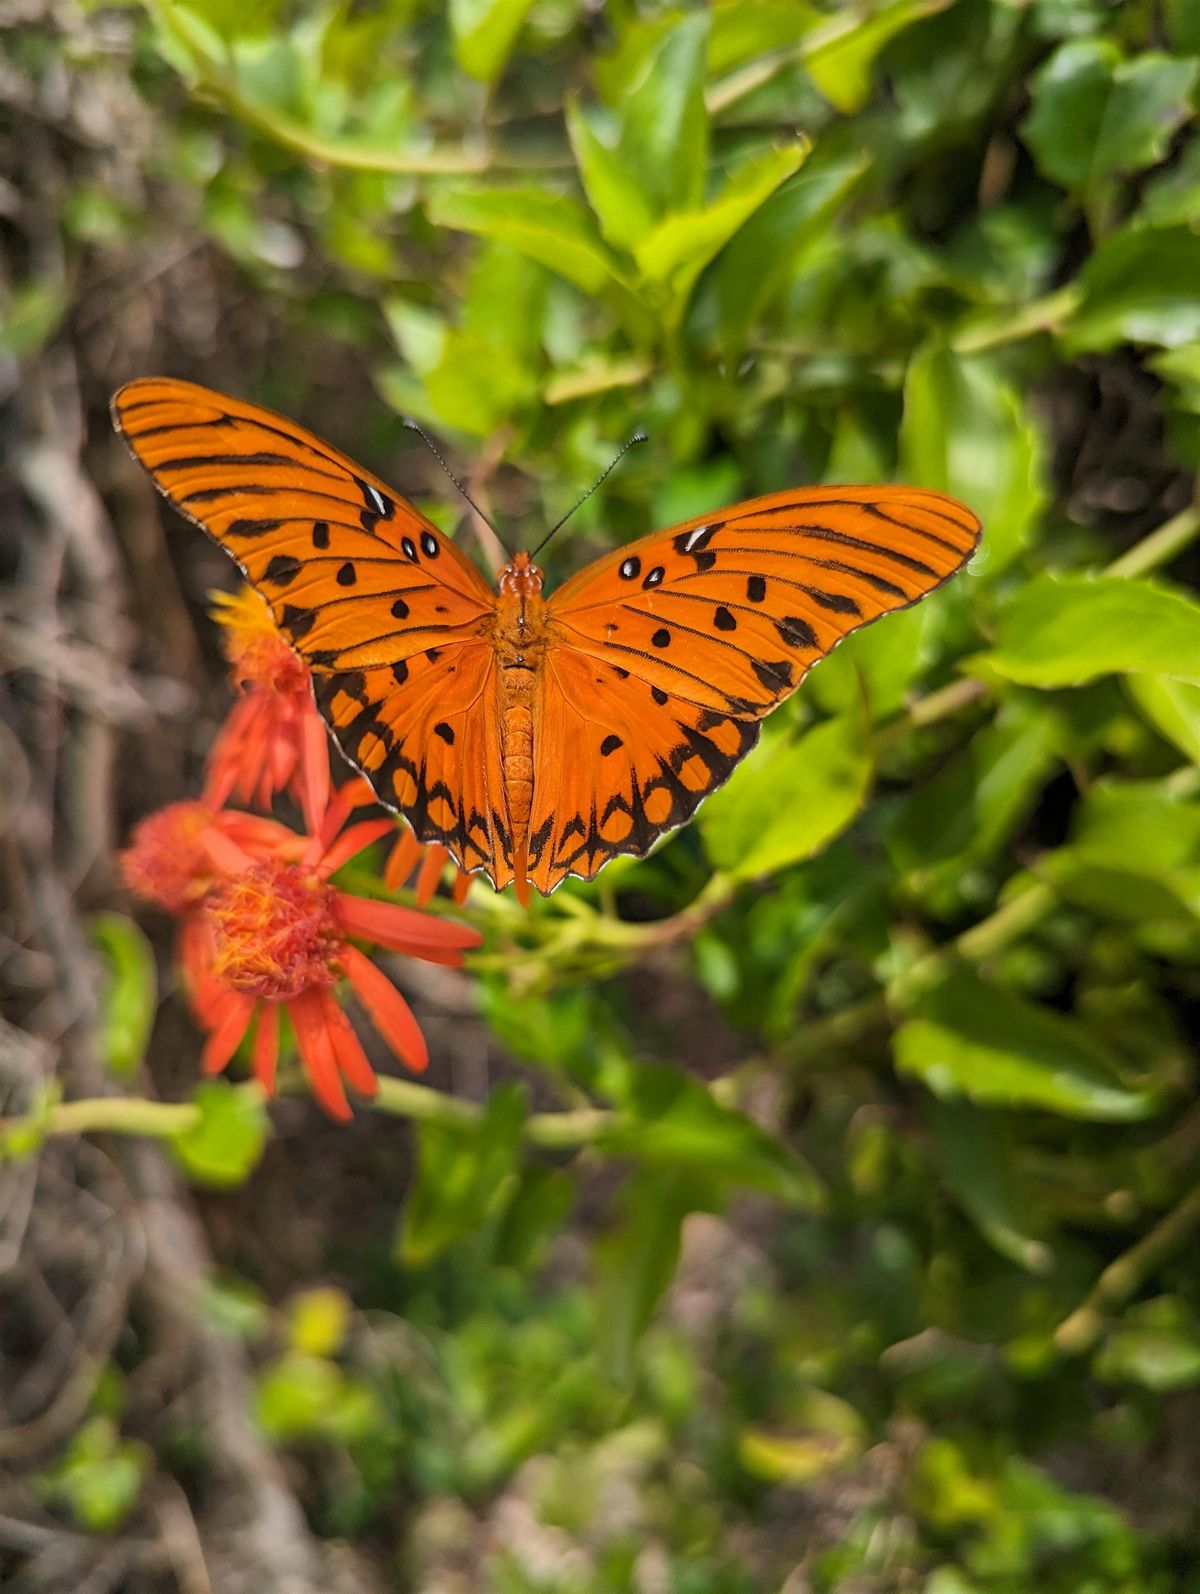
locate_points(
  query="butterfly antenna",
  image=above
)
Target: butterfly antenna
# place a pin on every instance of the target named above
(638, 437)
(415, 426)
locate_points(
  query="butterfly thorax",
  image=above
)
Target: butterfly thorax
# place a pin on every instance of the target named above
(520, 651)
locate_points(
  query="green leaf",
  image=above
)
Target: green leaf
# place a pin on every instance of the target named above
(663, 139)
(1172, 707)
(969, 809)
(478, 383)
(756, 262)
(1094, 115)
(976, 1163)
(678, 249)
(551, 228)
(1064, 630)
(611, 187)
(635, 1262)
(969, 1038)
(465, 1175)
(790, 800)
(1140, 287)
(968, 432)
(484, 32)
(880, 662)
(672, 1120)
(1134, 854)
(842, 68)
(130, 993)
(100, 1477)
(223, 1149)
(1156, 1345)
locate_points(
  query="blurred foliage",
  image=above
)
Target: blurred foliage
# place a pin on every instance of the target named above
(937, 1322)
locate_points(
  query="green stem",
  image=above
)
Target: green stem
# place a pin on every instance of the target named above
(399, 1098)
(1044, 315)
(1161, 546)
(1122, 1279)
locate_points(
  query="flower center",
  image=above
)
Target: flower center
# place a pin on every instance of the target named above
(276, 931)
(268, 663)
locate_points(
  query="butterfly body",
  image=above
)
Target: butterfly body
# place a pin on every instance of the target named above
(536, 736)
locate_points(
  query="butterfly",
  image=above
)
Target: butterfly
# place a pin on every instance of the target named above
(536, 737)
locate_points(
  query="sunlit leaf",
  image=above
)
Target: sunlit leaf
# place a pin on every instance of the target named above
(224, 1147)
(679, 248)
(1139, 285)
(1094, 114)
(842, 68)
(1172, 707)
(1064, 630)
(967, 430)
(790, 800)
(130, 992)
(484, 32)
(551, 228)
(663, 140)
(969, 1038)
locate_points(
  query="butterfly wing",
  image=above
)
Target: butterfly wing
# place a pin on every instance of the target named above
(664, 655)
(392, 620)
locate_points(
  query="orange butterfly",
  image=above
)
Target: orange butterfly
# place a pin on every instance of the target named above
(536, 738)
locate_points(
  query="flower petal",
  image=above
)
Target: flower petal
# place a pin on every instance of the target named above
(266, 1046)
(352, 1060)
(402, 860)
(430, 873)
(317, 1054)
(390, 1013)
(314, 767)
(406, 929)
(352, 841)
(226, 1037)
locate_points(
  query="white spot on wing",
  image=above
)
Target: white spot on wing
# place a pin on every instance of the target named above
(377, 499)
(693, 538)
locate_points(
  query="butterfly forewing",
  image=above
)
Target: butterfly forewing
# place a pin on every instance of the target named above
(392, 620)
(354, 574)
(731, 610)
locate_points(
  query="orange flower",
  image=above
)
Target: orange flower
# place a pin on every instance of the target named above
(427, 861)
(273, 739)
(263, 928)
(175, 855)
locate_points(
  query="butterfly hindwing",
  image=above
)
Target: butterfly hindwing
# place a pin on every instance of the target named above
(355, 575)
(730, 611)
(425, 734)
(619, 762)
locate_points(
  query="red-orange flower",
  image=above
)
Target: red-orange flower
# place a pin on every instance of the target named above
(264, 928)
(427, 861)
(274, 739)
(176, 855)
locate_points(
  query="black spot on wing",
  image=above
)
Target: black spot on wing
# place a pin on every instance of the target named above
(296, 621)
(282, 568)
(796, 633)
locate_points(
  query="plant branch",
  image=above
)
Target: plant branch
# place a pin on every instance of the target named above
(1124, 1277)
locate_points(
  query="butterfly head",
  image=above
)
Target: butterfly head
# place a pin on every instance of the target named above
(521, 577)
